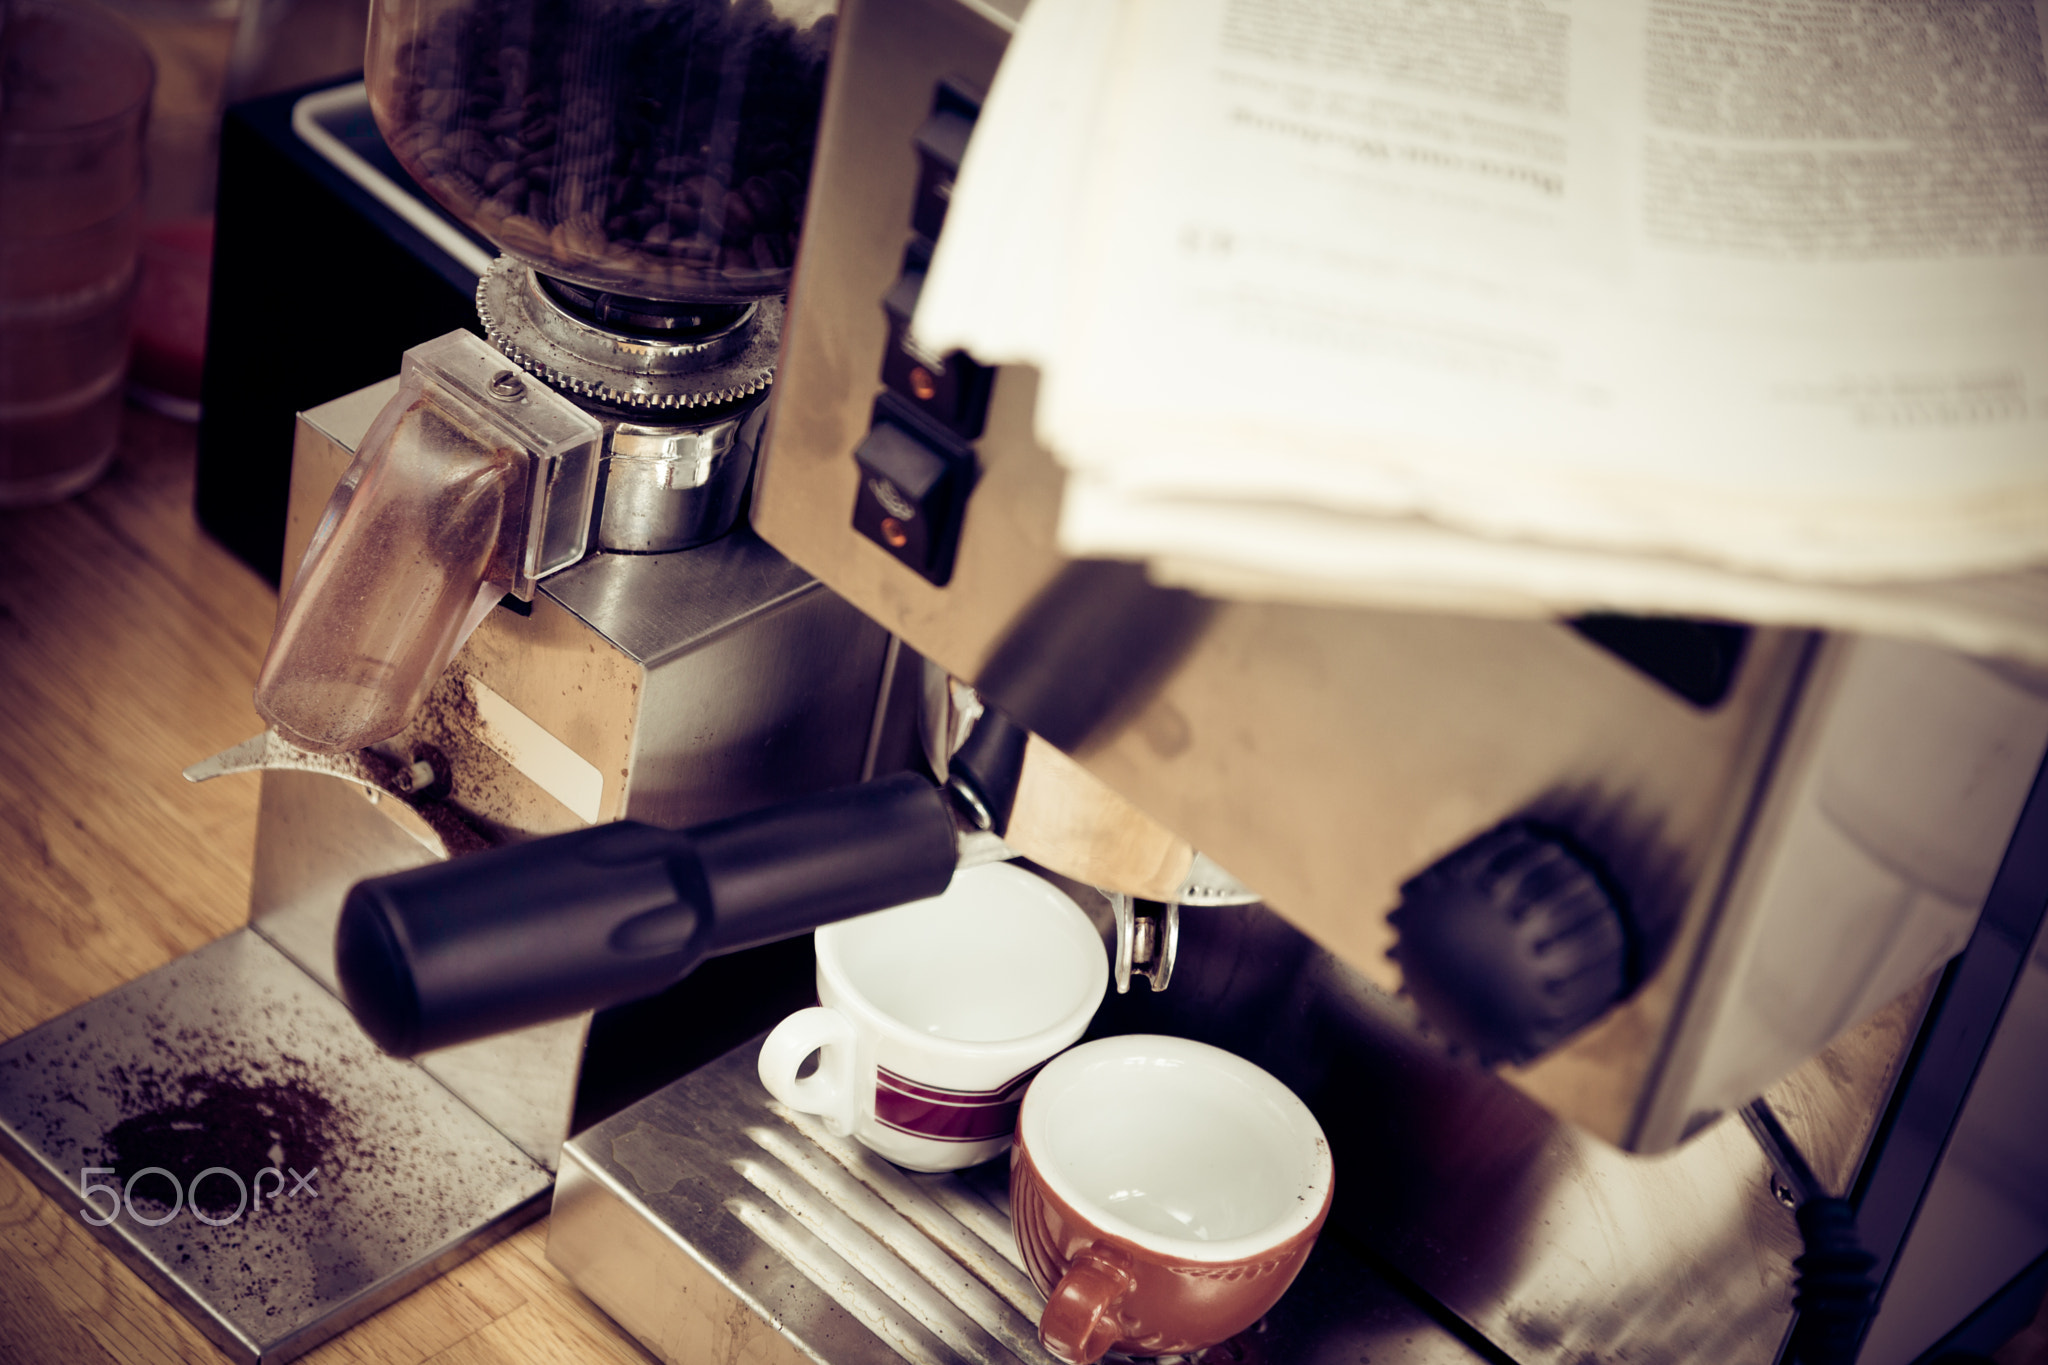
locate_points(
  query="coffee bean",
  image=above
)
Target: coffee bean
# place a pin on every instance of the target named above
(522, 235)
(739, 219)
(765, 203)
(514, 66)
(586, 236)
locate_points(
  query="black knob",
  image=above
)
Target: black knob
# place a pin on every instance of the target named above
(1514, 942)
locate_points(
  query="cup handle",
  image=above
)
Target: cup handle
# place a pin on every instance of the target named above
(1080, 1321)
(828, 1091)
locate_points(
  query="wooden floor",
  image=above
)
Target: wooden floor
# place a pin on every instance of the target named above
(128, 645)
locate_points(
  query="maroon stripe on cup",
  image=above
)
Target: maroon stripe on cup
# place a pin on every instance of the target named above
(944, 1115)
(1011, 1089)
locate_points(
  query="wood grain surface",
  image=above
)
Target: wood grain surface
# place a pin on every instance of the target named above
(129, 642)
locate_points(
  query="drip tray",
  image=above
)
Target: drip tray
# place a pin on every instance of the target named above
(372, 1178)
(716, 1225)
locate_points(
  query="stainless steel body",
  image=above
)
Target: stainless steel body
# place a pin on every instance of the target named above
(1326, 755)
(666, 488)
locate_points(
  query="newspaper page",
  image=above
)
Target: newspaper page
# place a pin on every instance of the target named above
(1757, 287)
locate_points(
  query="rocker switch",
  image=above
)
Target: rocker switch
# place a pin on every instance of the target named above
(913, 494)
(952, 389)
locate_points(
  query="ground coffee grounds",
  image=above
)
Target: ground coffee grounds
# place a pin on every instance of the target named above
(241, 1121)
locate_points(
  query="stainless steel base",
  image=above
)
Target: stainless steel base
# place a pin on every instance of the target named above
(409, 1181)
(716, 1225)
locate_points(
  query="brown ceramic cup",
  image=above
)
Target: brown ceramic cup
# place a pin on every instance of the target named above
(1165, 1194)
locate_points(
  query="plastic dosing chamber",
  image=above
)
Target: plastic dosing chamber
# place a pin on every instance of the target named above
(643, 164)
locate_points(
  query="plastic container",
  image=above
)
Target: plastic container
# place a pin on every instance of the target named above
(74, 92)
(471, 483)
(657, 150)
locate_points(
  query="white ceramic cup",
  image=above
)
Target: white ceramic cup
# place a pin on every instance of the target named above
(933, 1017)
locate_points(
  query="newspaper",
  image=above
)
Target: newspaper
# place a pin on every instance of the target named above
(1712, 307)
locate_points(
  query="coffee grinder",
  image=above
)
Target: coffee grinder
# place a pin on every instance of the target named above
(532, 602)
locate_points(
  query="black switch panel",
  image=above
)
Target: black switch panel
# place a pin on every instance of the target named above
(940, 142)
(913, 491)
(916, 464)
(950, 390)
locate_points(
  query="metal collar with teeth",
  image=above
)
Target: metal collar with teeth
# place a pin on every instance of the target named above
(626, 371)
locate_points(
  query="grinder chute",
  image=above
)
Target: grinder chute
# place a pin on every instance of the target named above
(472, 483)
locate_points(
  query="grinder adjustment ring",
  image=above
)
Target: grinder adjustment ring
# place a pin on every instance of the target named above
(632, 370)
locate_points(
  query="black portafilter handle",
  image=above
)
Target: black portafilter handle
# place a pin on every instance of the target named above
(529, 932)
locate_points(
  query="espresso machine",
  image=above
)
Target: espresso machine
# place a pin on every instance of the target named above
(1601, 948)
(1528, 912)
